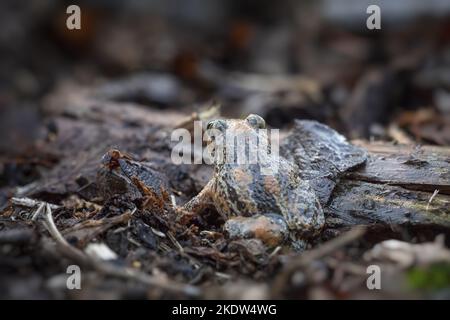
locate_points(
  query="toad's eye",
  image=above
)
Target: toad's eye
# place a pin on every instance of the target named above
(217, 124)
(256, 121)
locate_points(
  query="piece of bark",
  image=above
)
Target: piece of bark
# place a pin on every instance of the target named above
(363, 203)
(416, 168)
(322, 155)
(396, 187)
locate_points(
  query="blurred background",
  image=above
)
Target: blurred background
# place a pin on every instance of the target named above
(282, 59)
(67, 96)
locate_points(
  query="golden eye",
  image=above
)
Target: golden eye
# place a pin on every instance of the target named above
(256, 121)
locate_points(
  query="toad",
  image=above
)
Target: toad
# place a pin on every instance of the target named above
(264, 199)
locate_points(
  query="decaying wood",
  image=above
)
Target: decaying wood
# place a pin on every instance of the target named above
(360, 203)
(395, 187)
(422, 168)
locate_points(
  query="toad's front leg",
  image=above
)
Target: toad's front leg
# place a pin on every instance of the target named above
(200, 202)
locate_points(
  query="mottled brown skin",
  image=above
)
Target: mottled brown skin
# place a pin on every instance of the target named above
(242, 194)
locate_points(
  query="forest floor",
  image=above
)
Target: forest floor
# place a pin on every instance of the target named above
(384, 188)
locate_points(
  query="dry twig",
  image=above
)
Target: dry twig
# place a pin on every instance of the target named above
(110, 269)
